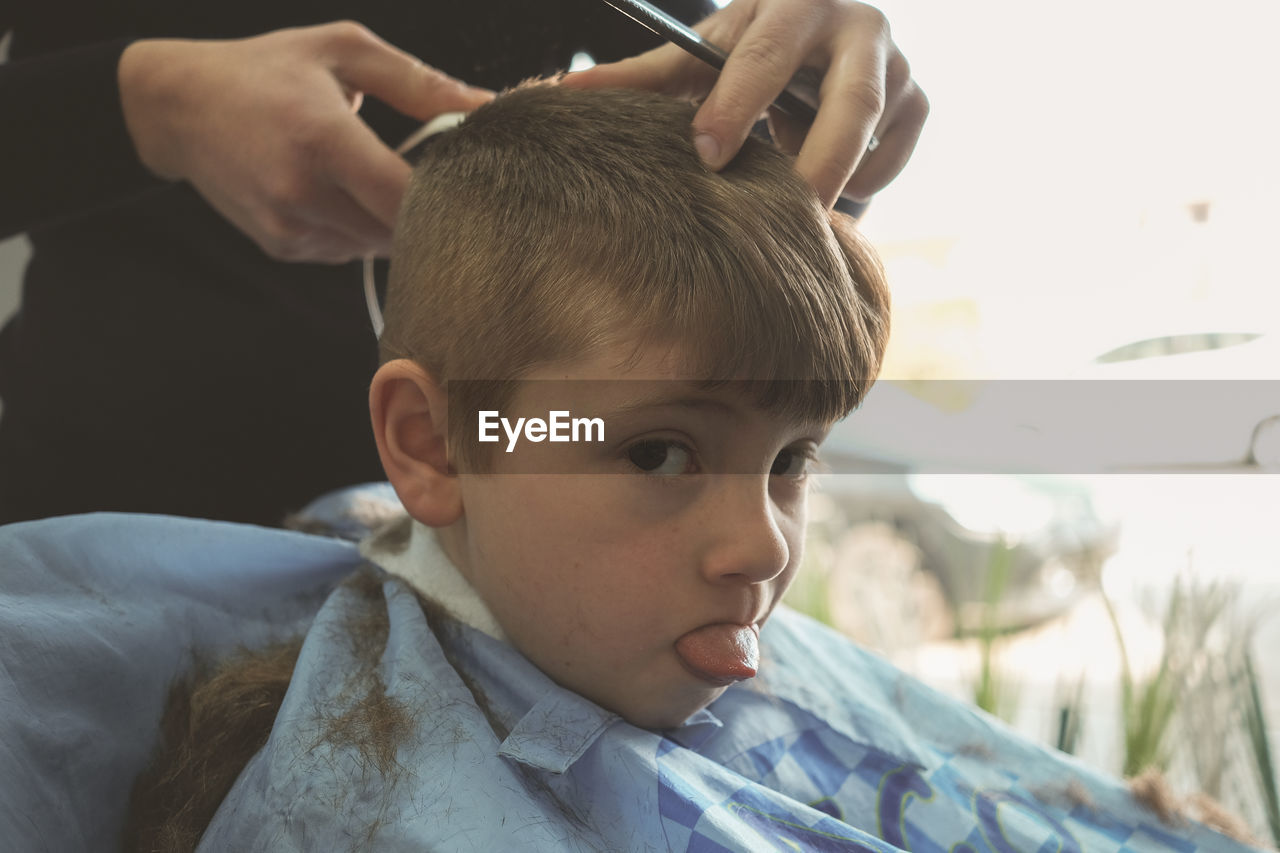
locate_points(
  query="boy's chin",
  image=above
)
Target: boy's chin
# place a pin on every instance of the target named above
(672, 714)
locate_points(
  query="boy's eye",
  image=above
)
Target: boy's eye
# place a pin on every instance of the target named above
(790, 463)
(662, 458)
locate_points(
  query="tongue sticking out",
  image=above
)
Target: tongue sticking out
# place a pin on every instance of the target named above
(722, 653)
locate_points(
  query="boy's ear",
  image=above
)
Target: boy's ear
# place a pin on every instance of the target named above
(409, 410)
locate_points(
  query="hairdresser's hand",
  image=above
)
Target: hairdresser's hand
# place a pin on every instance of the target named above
(866, 88)
(266, 130)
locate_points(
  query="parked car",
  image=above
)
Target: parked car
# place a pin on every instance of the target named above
(1008, 551)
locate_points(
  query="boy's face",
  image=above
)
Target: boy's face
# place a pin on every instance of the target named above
(602, 561)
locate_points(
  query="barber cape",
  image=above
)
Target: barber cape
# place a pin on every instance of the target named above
(831, 749)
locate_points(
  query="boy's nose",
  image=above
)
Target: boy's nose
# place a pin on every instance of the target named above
(746, 542)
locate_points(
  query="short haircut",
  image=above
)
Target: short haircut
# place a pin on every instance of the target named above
(556, 220)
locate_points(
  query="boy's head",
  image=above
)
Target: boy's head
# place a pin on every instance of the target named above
(561, 237)
(556, 221)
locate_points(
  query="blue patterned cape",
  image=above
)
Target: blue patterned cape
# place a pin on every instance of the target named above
(831, 749)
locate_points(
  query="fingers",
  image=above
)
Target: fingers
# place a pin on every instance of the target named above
(760, 65)
(854, 100)
(866, 93)
(336, 199)
(373, 174)
(331, 227)
(898, 136)
(334, 230)
(370, 177)
(264, 128)
(346, 216)
(665, 69)
(866, 88)
(363, 62)
(323, 246)
(302, 233)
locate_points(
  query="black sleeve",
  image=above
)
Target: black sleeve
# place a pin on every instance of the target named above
(65, 150)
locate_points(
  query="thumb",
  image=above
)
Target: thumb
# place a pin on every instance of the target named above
(363, 62)
(665, 69)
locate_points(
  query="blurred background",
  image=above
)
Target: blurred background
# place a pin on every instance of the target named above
(1062, 501)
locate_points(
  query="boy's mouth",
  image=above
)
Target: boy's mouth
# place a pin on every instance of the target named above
(721, 653)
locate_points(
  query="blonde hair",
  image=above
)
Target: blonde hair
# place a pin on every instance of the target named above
(553, 220)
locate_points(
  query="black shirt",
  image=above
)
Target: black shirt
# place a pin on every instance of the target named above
(160, 361)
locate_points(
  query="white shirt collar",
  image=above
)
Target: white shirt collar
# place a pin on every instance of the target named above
(424, 565)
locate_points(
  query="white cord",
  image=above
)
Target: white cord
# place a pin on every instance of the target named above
(442, 122)
(371, 298)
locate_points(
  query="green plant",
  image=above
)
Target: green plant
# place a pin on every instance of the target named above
(1146, 704)
(993, 692)
(1198, 647)
(1256, 728)
(1204, 697)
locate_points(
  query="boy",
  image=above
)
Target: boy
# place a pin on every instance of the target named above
(611, 275)
(550, 657)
